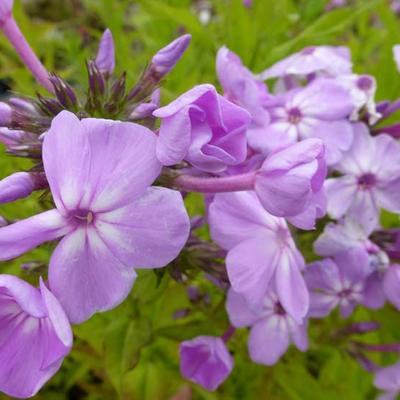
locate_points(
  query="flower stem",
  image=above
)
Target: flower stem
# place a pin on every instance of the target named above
(11, 29)
(234, 183)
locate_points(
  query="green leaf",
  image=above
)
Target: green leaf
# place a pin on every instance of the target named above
(124, 341)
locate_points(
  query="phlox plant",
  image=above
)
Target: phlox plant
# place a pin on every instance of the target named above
(233, 226)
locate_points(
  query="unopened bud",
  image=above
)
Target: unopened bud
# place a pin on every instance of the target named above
(5, 114)
(167, 57)
(16, 186)
(105, 59)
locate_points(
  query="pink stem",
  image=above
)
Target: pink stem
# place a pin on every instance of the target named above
(29, 58)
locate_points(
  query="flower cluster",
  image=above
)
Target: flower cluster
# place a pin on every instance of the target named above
(270, 159)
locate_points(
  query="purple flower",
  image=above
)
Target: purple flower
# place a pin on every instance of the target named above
(35, 336)
(370, 181)
(338, 281)
(203, 128)
(330, 60)
(290, 183)
(100, 172)
(105, 58)
(242, 88)
(241, 225)
(6, 7)
(319, 110)
(206, 361)
(388, 379)
(166, 58)
(272, 328)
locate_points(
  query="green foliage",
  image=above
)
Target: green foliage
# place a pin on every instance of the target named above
(132, 352)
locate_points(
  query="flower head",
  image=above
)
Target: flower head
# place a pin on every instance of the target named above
(35, 336)
(100, 172)
(370, 181)
(320, 110)
(260, 250)
(272, 328)
(205, 360)
(203, 128)
(338, 281)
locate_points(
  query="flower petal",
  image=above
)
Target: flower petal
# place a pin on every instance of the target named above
(238, 310)
(251, 265)
(86, 277)
(268, 340)
(98, 164)
(22, 236)
(149, 232)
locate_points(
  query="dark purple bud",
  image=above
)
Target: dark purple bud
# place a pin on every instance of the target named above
(96, 79)
(359, 328)
(181, 313)
(247, 3)
(48, 105)
(64, 93)
(105, 59)
(166, 58)
(145, 110)
(392, 130)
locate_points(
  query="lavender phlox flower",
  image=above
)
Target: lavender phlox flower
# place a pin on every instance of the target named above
(105, 58)
(203, 128)
(329, 60)
(272, 328)
(35, 336)
(241, 225)
(338, 281)
(205, 360)
(320, 110)
(362, 89)
(100, 172)
(388, 379)
(370, 181)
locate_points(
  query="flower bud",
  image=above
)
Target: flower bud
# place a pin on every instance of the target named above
(5, 10)
(5, 114)
(16, 186)
(105, 58)
(206, 361)
(167, 57)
